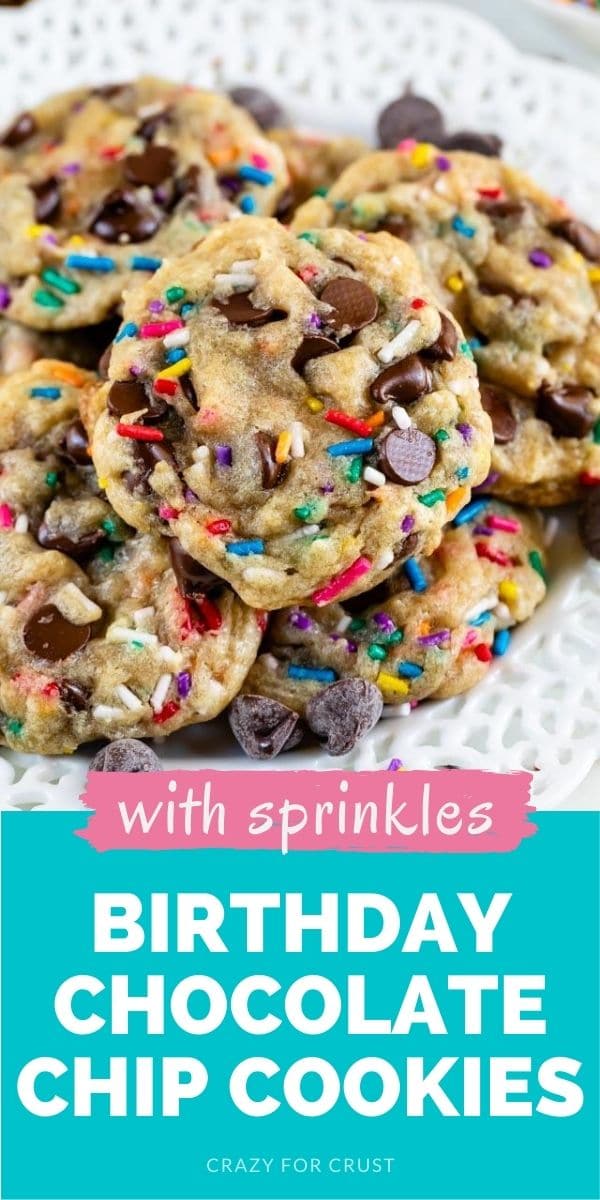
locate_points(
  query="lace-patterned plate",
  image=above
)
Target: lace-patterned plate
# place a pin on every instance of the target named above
(333, 66)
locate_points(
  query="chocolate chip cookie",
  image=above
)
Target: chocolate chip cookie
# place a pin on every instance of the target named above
(314, 162)
(522, 277)
(302, 417)
(100, 184)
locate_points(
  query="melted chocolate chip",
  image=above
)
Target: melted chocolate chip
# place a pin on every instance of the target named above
(79, 546)
(581, 236)
(186, 384)
(74, 695)
(239, 310)
(566, 409)
(188, 184)
(123, 217)
(496, 402)
(410, 117)
(264, 727)
(403, 382)
(285, 206)
(272, 472)
(21, 129)
(192, 578)
(104, 361)
(353, 302)
(149, 126)
(150, 168)
(126, 754)
(147, 455)
(478, 143)
(400, 227)
(47, 199)
(444, 347)
(49, 635)
(75, 445)
(130, 395)
(589, 521)
(314, 345)
(343, 713)
(407, 455)
(266, 111)
(501, 210)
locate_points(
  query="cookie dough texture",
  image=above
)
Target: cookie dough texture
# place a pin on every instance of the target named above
(103, 633)
(124, 175)
(434, 642)
(315, 417)
(521, 275)
(314, 162)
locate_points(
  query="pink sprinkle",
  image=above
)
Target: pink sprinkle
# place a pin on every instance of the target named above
(308, 273)
(166, 513)
(6, 517)
(407, 144)
(470, 638)
(361, 566)
(135, 370)
(508, 524)
(259, 160)
(159, 329)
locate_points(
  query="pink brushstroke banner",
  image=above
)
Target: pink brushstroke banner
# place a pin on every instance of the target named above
(420, 811)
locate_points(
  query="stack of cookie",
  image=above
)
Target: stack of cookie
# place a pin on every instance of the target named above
(287, 485)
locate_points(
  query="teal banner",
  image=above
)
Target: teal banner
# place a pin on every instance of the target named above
(330, 1025)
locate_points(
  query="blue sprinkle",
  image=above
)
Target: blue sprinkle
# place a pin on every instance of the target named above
(143, 262)
(255, 175)
(461, 472)
(340, 204)
(470, 511)
(186, 309)
(248, 204)
(501, 642)
(89, 262)
(410, 670)
(174, 355)
(358, 446)
(45, 393)
(252, 546)
(481, 619)
(461, 227)
(128, 330)
(475, 343)
(415, 575)
(320, 674)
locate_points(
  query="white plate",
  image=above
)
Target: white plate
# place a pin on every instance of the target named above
(576, 18)
(334, 65)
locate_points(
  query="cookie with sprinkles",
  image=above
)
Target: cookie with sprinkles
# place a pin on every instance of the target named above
(314, 162)
(521, 275)
(302, 418)
(432, 631)
(104, 633)
(100, 184)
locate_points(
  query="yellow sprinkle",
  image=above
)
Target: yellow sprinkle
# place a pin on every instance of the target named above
(314, 404)
(594, 274)
(456, 500)
(508, 590)
(103, 484)
(422, 154)
(389, 683)
(179, 368)
(76, 240)
(35, 231)
(455, 283)
(282, 449)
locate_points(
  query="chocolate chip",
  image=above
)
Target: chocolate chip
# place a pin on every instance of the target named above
(478, 143)
(150, 168)
(127, 754)
(285, 206)
(264, 727)
(566, 408)
(186, 384)
(104, 361)
(149, 126)
(343, 713)
(130, 395)
(239, 310)
(496, 402)
(501, 210)
(106, 91)
(444, 347)
(403, 382)
(192, 578)
(21, 129)
(410, 117)
(47, 199)
(266, 111)
(589, 521)
(75, 445)
(188, 184)
(273, 473)
(499, 288)
(49, 635)
(400, 227)
(353, 302)
(79, 546)
(148, 455)
(407, 455)
(581, 236)
(122, 216)
(74, 695)
(314, 345)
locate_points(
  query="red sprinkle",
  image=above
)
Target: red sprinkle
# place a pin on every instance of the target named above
(165, 387)
(335, 417)
(140, 433)
(492, 192)
(307, 273)
(51, 689)
(482, 652)
(209, 613)
(588, 480)
(495, 556)
(262, 620)
(166, 713)
(158, 329)
(111, 151)
(418, 303)
(222, 525)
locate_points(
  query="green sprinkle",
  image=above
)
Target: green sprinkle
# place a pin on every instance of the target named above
(354, 471)
(441, 435)
(396, 637)
(61, 282)
(47, 299)
(320, 191)
(309, 237)
(109, 525)
(173, 294)
(356, 624)
(377, 652)
(431, 498)
(465, 348)
(304, 512)
(597, 432)
(52, 478)
(106, 554)
(535, 559)
(14, 726)
(136, 645)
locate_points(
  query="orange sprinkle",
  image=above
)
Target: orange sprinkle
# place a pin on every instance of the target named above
(375, 420)
(222, 156)
(455, 500)
(68, 374)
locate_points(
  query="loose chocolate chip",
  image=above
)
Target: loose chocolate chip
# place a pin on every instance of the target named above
(589, 521)
(127, 754)
(403, 382)
(500, 210)
(47, 199)
(273, 472)
(444, 347)
(239, 310)
(130, 395)
(49, 635)
(149, 126)
(400, 227)
(343, 713)
(496, 402)
(410, 117)
(566, 408)
(75, 445)
(150, 168)
(266, 111)
(312, 346)
(581, 236)
(192, 578)
(478, 143)
(74, 695)
(407, 455)
(264, 727)
(122, 216)
(353, 302)
(78, 547)
(21, 129)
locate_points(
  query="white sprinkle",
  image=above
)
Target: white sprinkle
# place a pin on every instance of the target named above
(485, 605)
(306, 531)
(551, 530)
(343, 624)
(385, 560)
(104, 712)
(401, 417)
(399, 344)
(462, 387)
(169, 656)
(244, 264)
(242, 281)
(118, 633)
(200, 453)
(3, 597)
(143, 614)
(261, 575)
(177, 337)
(396, 710)
(151, 110)
(160, 692)
(22, 523)
(269, 661)
(297, 446)
(127, 697)
(502, 612)
(370, 475)
(76, 606)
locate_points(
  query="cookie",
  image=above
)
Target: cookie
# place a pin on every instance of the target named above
(103, 633)
(522, 278)
(303, 420)
(429, 632)
(314, 162)
(100, 184)
(20, 346)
